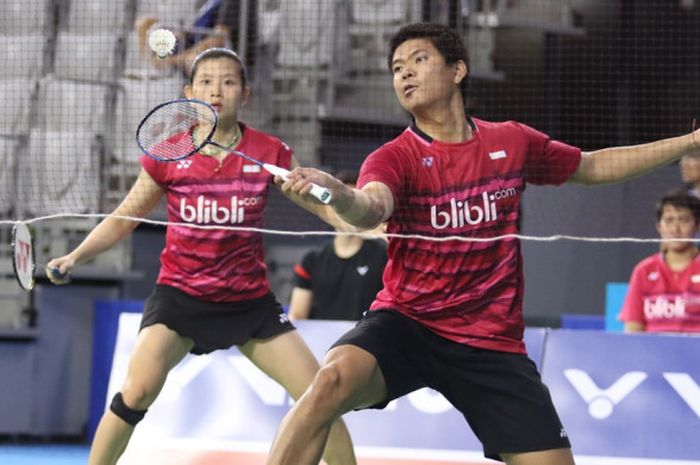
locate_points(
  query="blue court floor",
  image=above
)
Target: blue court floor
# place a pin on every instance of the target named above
(43, 454)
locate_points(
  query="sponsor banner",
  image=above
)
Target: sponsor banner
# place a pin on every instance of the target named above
(623, 399)
(223, 396)
(626, 395)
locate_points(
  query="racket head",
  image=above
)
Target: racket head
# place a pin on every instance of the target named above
(176, 129)
(23, 259)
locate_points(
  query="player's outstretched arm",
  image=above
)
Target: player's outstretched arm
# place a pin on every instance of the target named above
(143, 196)
(622, 163)
(310, 204)
(366, 208)
(358, 209)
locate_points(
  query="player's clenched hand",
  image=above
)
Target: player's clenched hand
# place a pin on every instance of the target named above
(58, 270)
(300, 181)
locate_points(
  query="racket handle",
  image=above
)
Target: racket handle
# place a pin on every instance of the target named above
(276, 170)
(56, 273)
(321, 193)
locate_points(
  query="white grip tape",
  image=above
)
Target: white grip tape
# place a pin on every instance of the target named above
(321, 193)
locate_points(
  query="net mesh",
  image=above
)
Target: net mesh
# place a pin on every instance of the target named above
(77, 79)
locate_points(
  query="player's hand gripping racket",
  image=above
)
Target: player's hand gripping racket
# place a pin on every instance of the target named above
(180, 128)
(23, 259)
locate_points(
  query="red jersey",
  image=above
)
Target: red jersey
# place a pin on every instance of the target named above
(661, 299)
(217, 264)
(469, 292)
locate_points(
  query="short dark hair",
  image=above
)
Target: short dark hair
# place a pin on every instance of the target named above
(219, 52)
(347, 176)
(447, 41)
(679, 199)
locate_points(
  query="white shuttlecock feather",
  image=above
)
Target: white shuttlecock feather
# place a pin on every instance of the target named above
(162, 42)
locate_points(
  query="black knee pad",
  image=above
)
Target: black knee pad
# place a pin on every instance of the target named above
(127, 414)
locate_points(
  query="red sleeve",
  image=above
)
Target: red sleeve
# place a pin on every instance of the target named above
(154, 168)
(548, 161)
(383, 165)
(284, 156)
(633, 308)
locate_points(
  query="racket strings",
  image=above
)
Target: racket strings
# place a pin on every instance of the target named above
(175, 130)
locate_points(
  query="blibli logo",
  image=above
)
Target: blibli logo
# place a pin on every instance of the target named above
(211, 211)
(472, 213)
(663, 308)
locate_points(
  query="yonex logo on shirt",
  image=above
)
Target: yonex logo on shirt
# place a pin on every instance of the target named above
(427, 161)
(362, 270)
(462, 212)
(183, 164)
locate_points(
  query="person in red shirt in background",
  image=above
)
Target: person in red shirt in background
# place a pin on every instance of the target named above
(664, 290)
(450, 314)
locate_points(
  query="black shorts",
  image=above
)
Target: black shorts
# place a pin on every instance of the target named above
(500, 394)
(215, 325)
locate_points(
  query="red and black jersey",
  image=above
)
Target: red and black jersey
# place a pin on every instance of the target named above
(469, 292)
(217, 264)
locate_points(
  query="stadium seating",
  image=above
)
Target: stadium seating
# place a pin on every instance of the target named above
(22, 56)
(314, 47)
(77, 56)
(95, 16)
(379, 11)
(66, 105)
(167, 11)
(62, 172)
(134, 100)
(17, 102)
(20, 17)
(373, 22)
(8, 155)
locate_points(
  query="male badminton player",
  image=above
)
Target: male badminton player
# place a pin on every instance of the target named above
(212, 291)
(450, 314)
(664, 293)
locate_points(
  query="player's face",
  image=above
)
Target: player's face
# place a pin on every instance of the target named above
(677, 223)
(218, 82)
(690, 169)
(422, 80)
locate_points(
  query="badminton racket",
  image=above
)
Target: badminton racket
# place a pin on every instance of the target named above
(23, 259)
(180, 128)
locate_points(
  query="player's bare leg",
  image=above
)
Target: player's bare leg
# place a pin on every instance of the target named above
(349, 378)
(158, 349)
(544, 457)
(287, 359)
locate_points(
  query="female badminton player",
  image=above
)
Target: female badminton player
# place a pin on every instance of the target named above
(212, 291)
(450, 314)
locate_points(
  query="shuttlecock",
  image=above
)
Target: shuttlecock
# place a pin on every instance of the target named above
(162, 42)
